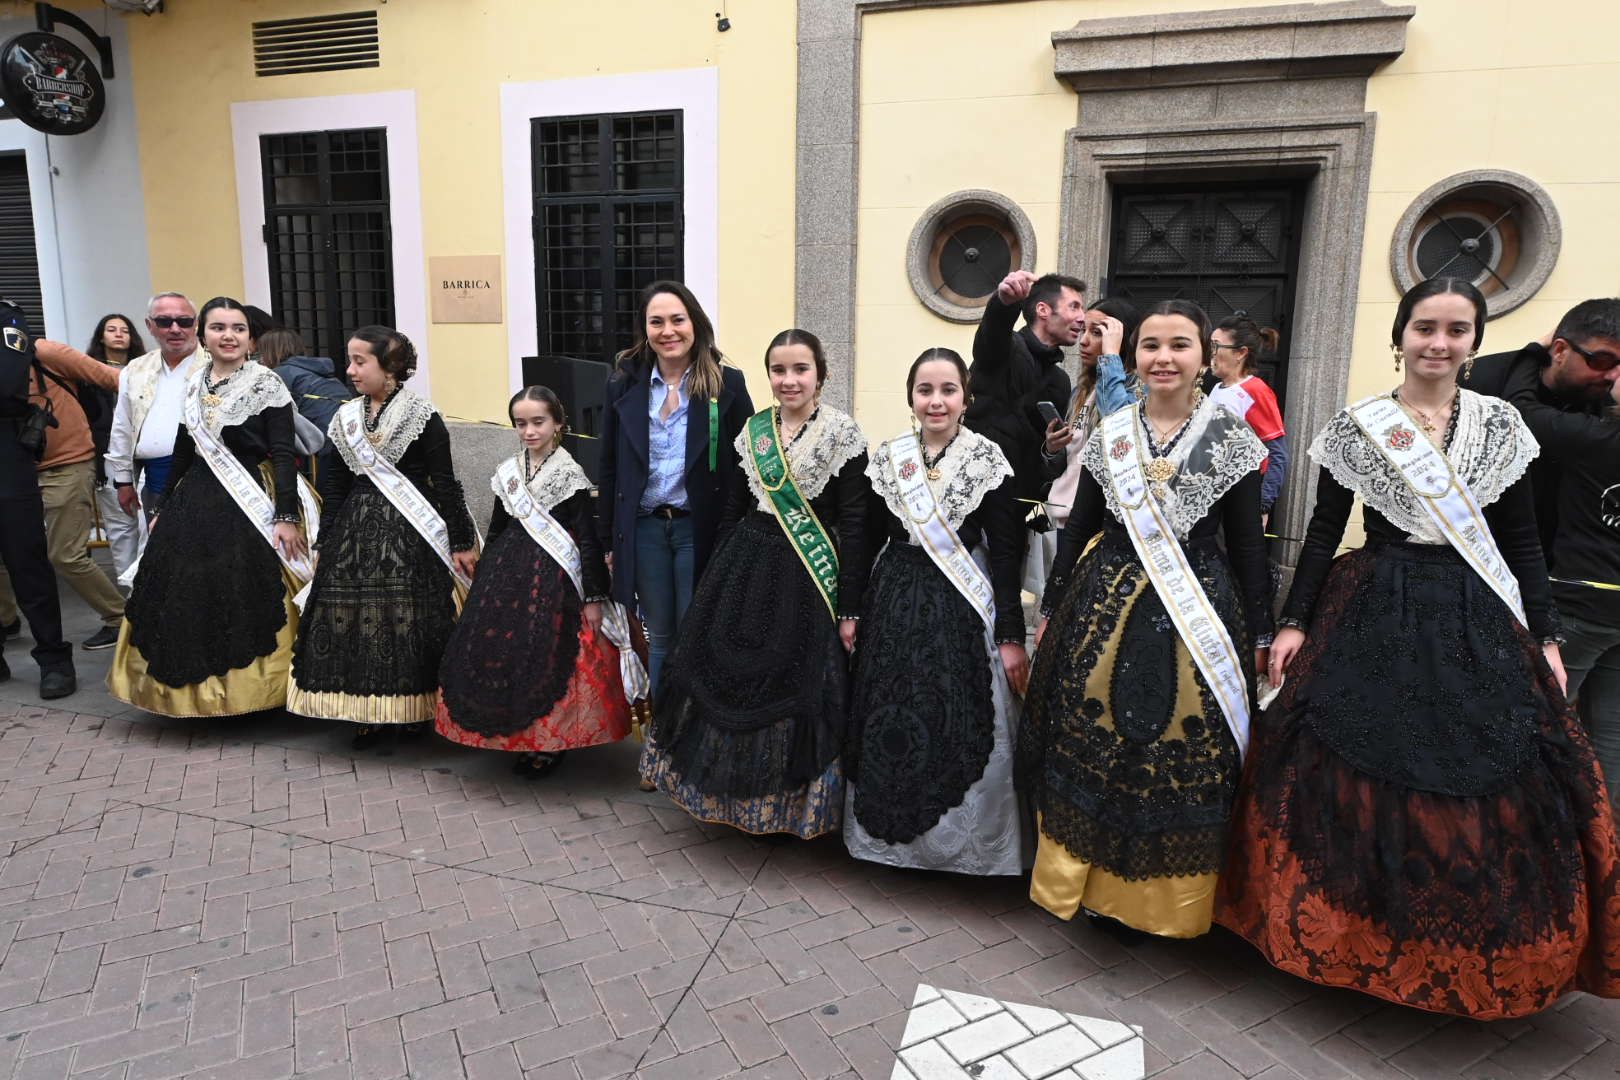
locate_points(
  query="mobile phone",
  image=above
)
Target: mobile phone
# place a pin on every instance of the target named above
(1049, 412)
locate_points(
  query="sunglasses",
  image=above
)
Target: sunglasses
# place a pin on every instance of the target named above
(1597, 361)
(163, 322)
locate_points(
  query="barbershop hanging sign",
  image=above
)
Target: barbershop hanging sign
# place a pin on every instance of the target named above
(50, 84)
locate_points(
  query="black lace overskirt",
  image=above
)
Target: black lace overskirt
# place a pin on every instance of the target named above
(513, 651)
(381, 610)
(924, 716)
(1122, 745)
(1422, 679)
(209, 596)
(754, 693)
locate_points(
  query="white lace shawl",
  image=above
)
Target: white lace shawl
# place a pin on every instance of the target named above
(247, 393)
(403, 420)
(972, 467)
(1490, 449)
(1217, 450)
(817, 456)
(558, 477)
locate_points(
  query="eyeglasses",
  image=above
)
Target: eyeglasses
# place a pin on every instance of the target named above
(163, 322)
(1597, 361)
(1218, 345)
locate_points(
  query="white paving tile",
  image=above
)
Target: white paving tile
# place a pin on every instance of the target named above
(1035, 1018)
(1046, 1054)
(929, 1061)
(973, 1006)
(1104, 1033)
(901, 1072)
(926, 1021)
(1121, 1062)
(996, 1068)
(924, 995)
(984, 1037)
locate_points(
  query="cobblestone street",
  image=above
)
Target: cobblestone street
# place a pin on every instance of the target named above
(252, 899)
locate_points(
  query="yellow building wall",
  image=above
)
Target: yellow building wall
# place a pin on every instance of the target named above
(964, 97)
(193, 61)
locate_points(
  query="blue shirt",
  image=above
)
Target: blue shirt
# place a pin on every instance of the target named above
(666, 446)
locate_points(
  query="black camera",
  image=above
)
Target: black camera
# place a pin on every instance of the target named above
(31, 432)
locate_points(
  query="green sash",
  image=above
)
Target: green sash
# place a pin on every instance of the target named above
(793, 513)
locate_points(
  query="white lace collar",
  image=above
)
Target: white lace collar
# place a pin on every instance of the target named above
(820, 453)
(1217, 450)
(972, 467)
(1490, 449)
(558, 478)
(403, 419)
(244, 394)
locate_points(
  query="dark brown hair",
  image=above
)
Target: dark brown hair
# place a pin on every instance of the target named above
(1187, 310)
(795, 336)
(1261, 341)
(277, 345)
(706, 381)
(394, 352)
(98, 349)
(546, 396)
(1439, 287)
(936, 353)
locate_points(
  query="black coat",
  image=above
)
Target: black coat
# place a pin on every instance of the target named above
(624, 467)
(1013, 370)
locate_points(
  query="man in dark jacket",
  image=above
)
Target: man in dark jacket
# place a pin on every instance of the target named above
(1014, 369)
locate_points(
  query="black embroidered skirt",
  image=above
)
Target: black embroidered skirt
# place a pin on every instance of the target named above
(377, 621)
(1422, 817)
(748, 721)
(1126, 752)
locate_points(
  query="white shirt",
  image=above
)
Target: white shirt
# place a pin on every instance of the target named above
(156, 437)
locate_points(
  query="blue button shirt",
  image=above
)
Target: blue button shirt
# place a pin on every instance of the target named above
(666, 446)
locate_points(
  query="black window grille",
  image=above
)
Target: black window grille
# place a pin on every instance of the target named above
(607, 223)
(328, 235)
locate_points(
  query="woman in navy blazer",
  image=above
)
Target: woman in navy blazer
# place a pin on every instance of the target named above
(673, 413)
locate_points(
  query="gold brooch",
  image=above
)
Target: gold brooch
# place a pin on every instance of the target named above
(1159, 470)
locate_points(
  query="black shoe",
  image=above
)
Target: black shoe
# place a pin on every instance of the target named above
(368, 736)
(105, 638)
(57, 684)
(13, 628)
(540, 763)
(5, 669)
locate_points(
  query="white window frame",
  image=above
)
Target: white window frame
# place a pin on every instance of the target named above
(696, 93)
(394, 111)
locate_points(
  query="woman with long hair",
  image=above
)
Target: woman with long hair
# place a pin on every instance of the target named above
(1422, 817)
(750, 719)
(115, 343)
(1138, 706)
(396, 556)
(673, 412)
(208, 630)
(1240, 345)
(528, 669)
(929, 753)
(1103, 387)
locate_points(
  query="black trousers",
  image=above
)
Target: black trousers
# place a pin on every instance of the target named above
(22, 548)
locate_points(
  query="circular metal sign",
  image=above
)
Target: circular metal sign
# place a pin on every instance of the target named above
(50, 84)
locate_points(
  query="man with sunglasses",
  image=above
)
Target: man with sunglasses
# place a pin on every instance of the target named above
(1566, 390)
(150, 396)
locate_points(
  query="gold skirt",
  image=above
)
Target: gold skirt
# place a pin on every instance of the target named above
(1178, 907)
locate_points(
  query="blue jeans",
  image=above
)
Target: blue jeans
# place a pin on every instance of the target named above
(663, 583)
(1592, 662)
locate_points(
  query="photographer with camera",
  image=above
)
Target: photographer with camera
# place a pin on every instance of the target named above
(33, 387)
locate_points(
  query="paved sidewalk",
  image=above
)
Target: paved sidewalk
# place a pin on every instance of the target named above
(249, 898)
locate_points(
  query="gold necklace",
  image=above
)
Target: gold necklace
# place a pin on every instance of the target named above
(1428, 422)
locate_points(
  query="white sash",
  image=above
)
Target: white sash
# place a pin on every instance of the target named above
(555, 541)
(397, 487)
(1445, 495)
(1173, 579)
(938, 539)
(245, 490)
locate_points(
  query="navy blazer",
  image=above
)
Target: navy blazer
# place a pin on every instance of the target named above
(624, 467)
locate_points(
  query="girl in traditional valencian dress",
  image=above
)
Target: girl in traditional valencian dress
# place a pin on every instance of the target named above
(395, 560)
(1138, 707)
(749, 723)
(1422, 817)
(529, 667)
(209, 627)
(941, 648)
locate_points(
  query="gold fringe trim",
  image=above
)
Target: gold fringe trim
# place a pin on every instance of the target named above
(361, 708)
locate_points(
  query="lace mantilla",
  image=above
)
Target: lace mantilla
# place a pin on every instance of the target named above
(972, 468)
(815, 457)
(403, 420)
(1217, 451)
(1490, 449)
(245, 394)
(558, 478)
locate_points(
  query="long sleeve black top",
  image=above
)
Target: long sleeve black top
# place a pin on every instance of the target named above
(1512, 520)
(267, 434)
(842, 509)
(578, 516)
(1235, 514)
(427, 464)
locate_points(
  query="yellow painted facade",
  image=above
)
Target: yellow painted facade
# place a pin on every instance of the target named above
(964, 97)
(195, 60)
